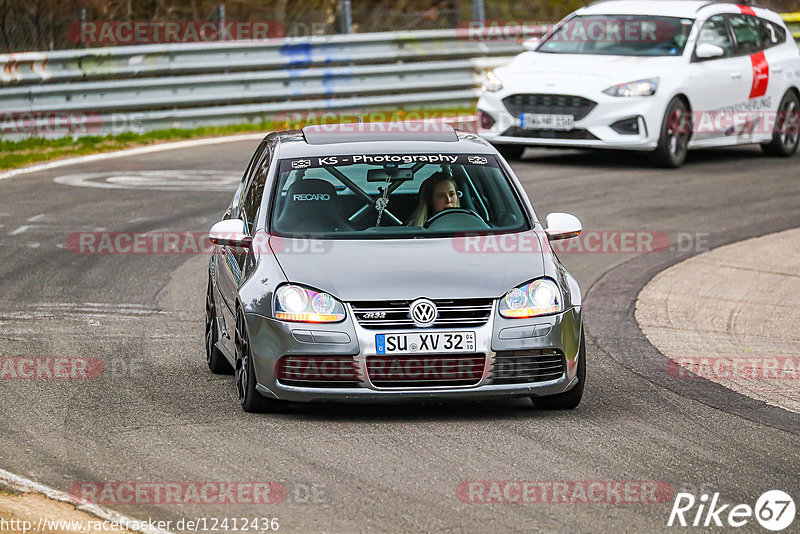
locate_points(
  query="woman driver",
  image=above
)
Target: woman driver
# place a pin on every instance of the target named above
(436, 194)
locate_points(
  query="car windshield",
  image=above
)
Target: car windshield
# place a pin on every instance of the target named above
(387, 196)
(620, 35)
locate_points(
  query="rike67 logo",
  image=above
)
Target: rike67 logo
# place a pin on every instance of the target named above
(774, 510)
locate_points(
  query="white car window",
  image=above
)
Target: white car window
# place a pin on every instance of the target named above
(620, 35)
(771, 33)
(715, 32)
(746, 29)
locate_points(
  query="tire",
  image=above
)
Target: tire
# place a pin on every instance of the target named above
(214, 358)
(249, 398)
(568, 400)
(673, 145)
(511, 152)
(786, 137)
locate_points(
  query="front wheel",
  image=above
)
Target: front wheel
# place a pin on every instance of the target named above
(250, 399)
(676, 130)
(786, 136)
(214, 357)
(568, 400)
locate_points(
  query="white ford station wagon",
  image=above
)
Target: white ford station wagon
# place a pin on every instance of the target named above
(665, 77)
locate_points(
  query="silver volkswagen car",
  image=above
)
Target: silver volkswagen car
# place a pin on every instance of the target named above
(390, 261)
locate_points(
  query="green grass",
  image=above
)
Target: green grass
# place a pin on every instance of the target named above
(36, 149)
(15, 154)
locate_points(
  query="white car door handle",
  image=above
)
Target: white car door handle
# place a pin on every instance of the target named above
(736, 75)
(777, 70)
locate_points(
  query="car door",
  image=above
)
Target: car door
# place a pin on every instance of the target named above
(782, 58)
(716, 84)
(755, 92)
(231, 261)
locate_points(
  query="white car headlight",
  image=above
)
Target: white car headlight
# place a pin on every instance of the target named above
(492, 83)
(301, 305)
(541, 297)
(638, 88)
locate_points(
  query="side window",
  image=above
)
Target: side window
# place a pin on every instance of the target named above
(715, 32)
(237, 198)
(771, 33)
(255, 192)
(747, 31)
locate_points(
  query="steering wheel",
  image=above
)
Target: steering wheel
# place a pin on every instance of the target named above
(453, 211)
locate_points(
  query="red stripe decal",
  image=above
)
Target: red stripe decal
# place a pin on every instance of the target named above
(760, 75)
(747, 10)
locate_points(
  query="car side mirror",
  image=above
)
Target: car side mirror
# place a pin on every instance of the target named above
(709, 51)
(531, 44)
(560, 226)
(230, 232)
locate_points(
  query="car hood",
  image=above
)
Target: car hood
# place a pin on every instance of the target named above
(540, 72)
(408, 269)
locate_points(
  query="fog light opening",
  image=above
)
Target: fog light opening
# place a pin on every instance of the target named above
(630, 126)
(485, 121)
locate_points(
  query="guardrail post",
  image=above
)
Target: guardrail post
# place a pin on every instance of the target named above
(478, 12)
(221, 19)
(345, 16)
(82, 18)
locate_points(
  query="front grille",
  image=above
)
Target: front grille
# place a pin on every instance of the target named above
(526, 366)
(426, 371)
(318, 371)
(576, 106)
(386, 315)
(574, 135)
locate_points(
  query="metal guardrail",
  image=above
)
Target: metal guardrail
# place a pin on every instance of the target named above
(202, 84)
(208, 84)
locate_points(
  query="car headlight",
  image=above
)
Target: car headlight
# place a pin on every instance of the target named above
(301, 305)
(541, 297)
(492, 83)
(638, 88)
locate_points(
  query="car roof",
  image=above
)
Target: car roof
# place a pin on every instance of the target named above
(377, 138)
(667, 8)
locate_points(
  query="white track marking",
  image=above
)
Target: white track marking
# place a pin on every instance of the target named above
(157, 180)
(20, 230)
(131, 152)
(24, 485)
(36, 217)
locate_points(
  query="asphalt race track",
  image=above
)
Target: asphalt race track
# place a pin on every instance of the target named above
(158, 415)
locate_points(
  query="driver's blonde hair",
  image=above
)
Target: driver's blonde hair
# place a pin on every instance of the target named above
(422, 212)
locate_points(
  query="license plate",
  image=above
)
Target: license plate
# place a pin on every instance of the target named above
(427, 343)
(540, 121)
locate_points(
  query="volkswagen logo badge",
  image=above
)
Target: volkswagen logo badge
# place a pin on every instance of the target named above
(423, 312)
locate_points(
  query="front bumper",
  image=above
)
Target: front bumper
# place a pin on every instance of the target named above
(271, 340)
(593, 131)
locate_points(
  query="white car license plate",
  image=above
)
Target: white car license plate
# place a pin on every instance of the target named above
(425, 343)
(540, 121)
